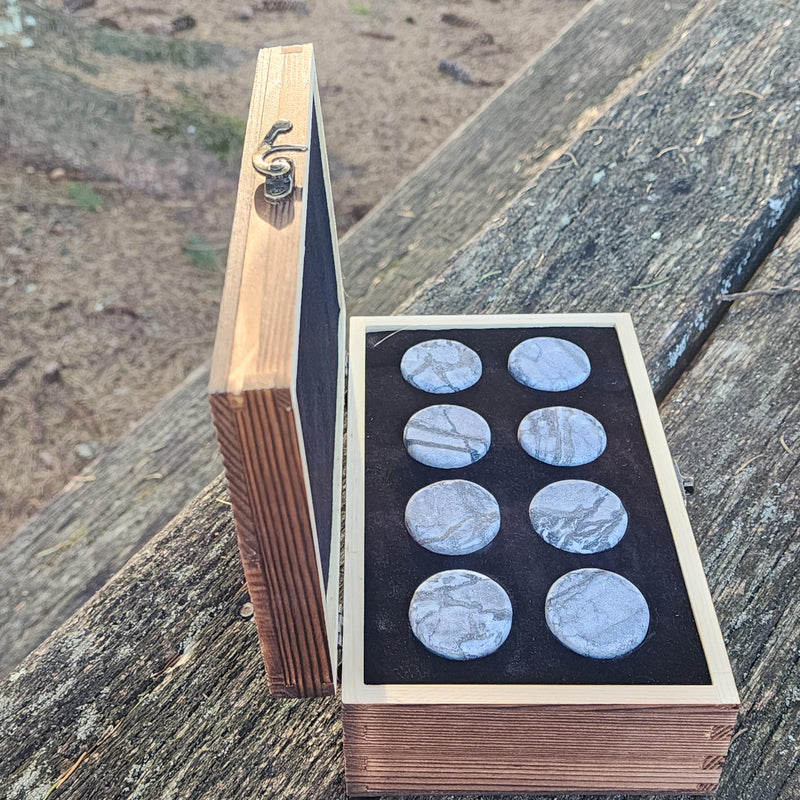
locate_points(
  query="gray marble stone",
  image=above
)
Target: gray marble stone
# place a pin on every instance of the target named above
(549, 364)
(578, 516)
(453, 518)
(562, 436)
(460, 614)
(441, 366)
(446, 436)
(597, 613)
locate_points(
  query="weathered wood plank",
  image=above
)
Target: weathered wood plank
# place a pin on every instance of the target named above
(502, 147)
(676, 195)
(734, 422)
(87, 538)
(164, 630)
(166, 696)
(76, 543)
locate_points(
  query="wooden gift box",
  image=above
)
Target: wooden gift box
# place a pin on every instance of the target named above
(533, 716)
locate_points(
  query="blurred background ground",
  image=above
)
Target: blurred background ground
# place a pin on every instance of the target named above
(111, 266)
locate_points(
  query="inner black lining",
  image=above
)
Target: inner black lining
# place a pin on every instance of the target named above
(518, 558)
(318, 351)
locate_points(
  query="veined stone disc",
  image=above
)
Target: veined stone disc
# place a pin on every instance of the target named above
(441, 366)
(578, 516)
(453, 518)
(460, 614)
(549, 364)
(562, 436)
(597, 613)
(447, 436)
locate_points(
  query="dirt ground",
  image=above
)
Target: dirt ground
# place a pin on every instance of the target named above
(109, 294)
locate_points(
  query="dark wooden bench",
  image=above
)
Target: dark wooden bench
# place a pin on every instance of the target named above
(683, 191)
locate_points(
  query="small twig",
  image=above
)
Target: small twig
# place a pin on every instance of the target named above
(776, 291)
(569, 155)
(122, 311)
(750, 92)
(669, 149)
(741, 114)
(785, 446)
(155, 448)
(223, 502)
(490, 275)
(389, 336)
(650, 285)
(65, 776)
(459, 21)
(749, 462)
(14, 367)
(386, 37)
(35, 424)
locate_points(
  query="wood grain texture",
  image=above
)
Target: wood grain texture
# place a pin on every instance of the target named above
(90, 538)
(252, 385)
(675, 196)
(78, 542)
(500, 749)
(516, 135)
(160, 691)
(254, 345)
(734, 420)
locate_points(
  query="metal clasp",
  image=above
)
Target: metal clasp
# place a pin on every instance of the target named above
(278, 171)
(686, 483)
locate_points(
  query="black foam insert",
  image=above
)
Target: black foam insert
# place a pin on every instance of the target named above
(518, 558)
(318, 351)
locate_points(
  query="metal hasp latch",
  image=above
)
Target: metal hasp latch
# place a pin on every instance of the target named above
(686, 483)
(278, 171)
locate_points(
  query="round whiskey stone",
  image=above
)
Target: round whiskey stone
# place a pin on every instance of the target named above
(597, 613)
(578, 516)
(460, 614)
(562, 436)
(447, 436)
(453, 518)
(441, 366)
(549, 364)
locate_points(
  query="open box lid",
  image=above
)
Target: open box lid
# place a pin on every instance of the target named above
(277, 377)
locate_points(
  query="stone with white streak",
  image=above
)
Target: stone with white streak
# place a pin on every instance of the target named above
(453, 518)
(562, 436)
(441, 366)
(460, 614)
(597, 613)
(447, 436)
(549, 364)
(578, 516)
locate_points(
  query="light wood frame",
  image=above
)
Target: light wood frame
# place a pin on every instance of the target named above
(490, 738)
(254, 397)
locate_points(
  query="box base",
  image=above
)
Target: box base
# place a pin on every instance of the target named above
(471, 749)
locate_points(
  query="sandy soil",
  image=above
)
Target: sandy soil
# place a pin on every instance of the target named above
(104, 311)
